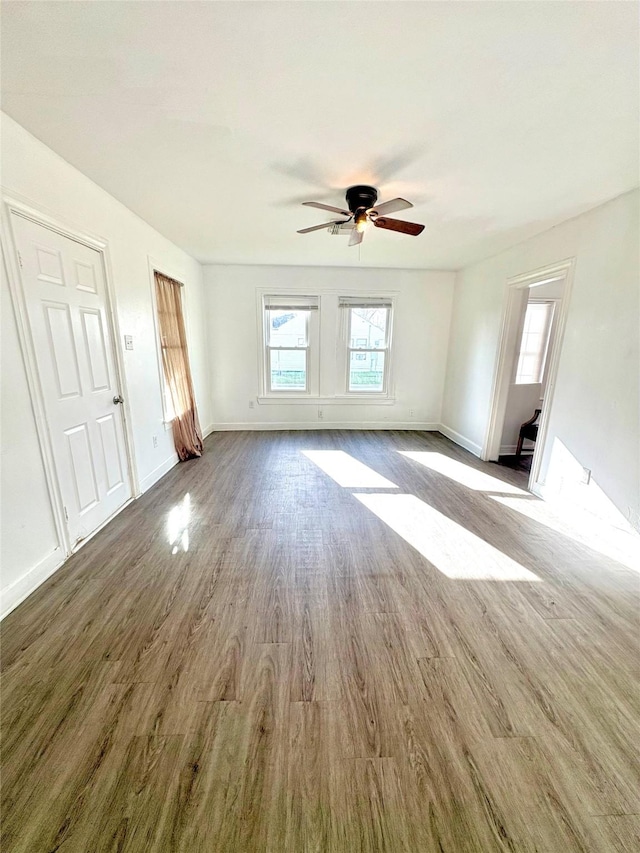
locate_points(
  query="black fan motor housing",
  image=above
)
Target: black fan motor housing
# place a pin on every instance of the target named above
(361, 196)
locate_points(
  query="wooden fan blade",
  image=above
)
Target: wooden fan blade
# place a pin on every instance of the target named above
(398, 225)
(329, 207)
(324, 225)
(392, 206)
(356, 237)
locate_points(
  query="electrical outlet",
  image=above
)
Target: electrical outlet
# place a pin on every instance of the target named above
(251, 404)
(154, 439)
(320, 414)
(411, 413)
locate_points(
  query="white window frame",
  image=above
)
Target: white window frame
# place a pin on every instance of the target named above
(543, 355)
(345, 306)
(295, 301)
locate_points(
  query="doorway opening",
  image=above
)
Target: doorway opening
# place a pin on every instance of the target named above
(531, 338)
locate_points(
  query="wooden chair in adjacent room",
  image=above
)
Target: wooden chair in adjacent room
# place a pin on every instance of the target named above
(529, 429)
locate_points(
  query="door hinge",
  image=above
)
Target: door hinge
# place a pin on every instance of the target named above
(20, 259)
(66, 514)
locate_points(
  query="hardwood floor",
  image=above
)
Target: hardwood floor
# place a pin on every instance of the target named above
(310, 666)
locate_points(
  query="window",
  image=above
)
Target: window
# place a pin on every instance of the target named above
(178, 386)
(290, 324)
(535, 342)
(167, 320)
(368, 326)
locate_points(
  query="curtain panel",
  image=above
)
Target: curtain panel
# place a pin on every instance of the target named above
(187, 434)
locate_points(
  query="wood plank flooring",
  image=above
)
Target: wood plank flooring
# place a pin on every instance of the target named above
(315, 667)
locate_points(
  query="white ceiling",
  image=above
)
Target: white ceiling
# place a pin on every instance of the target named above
(214, 120)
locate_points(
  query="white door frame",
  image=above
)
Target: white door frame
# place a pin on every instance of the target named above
(561, 271)
(12, 205)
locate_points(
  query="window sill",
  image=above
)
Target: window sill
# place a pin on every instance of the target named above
(338, 400)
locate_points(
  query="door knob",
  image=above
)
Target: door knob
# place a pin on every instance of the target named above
(118, 399)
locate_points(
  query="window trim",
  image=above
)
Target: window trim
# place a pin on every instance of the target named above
(345, 306)
(327, 351)
(269, 299)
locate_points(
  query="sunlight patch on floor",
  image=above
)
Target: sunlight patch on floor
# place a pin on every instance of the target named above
(178, 525)
(451, 548)
(461, 473)
(347, 471)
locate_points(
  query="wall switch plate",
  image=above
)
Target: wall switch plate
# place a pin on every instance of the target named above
(251, 404)
(128, 341)
(154, 439)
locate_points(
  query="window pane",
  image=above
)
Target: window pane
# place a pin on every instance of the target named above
(368, 327)
(536, 316)
(527, 369)
(287, 328)
(534, 342)
(288, 370)
(366, 374)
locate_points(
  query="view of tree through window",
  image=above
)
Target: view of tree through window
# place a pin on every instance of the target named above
(367, 348)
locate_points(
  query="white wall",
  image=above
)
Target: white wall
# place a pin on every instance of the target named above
(36, 175)
(420, 336)
(595, 412)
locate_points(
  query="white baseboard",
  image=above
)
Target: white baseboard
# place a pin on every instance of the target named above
(22, 588)
(208, 430)
(157, 473)
(507, 449)
(15, 593)
(422, 426)
(539, 490)
(462, 440)
(510, 450)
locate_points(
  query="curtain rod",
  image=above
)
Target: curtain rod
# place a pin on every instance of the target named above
(168, 278)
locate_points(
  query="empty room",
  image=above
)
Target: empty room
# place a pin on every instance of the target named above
(320, 426)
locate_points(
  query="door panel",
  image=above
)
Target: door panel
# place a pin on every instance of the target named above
(63, 349)
(94, 340)
(82, 464)
(49, 265)
(110, 455)
(85, 277)
(66, 300)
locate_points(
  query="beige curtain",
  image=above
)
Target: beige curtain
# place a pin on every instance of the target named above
(187, 434)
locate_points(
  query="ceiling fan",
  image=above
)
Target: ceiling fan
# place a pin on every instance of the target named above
(363, 210)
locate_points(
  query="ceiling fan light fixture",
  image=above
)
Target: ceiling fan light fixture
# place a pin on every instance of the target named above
(363, 210)
(361, 221)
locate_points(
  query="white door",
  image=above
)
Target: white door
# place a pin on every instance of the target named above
(66, 299)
